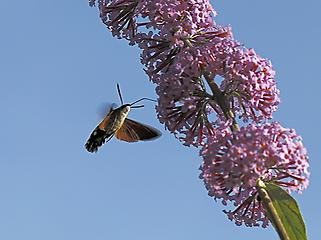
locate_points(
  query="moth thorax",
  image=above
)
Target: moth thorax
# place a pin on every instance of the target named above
(124, 110)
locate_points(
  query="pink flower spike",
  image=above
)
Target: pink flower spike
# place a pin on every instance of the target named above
(233, 163)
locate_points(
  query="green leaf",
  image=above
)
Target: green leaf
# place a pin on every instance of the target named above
(283, 211)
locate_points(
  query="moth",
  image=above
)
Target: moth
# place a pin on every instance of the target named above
(117, 124)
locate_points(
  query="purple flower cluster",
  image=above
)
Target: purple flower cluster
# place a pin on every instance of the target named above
(233, 164)
(207, 84)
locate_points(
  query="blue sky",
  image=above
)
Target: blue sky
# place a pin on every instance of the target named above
(59, 64)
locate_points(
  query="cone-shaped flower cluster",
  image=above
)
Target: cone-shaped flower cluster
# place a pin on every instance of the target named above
(233, 163)
(207, 83)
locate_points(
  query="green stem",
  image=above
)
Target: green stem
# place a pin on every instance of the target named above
(219, 97)
(271, 211)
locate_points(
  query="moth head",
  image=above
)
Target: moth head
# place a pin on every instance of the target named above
(125, 108)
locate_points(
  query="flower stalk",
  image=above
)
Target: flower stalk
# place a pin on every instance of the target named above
(183, 50)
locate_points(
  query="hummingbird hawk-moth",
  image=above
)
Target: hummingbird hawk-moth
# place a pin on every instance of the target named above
(116, 123)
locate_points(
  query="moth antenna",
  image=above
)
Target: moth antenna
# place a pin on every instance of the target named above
(149, 99)
(119, 93)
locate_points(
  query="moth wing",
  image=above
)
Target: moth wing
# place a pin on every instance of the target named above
(105, 108)
(132, 131)
(105, 123)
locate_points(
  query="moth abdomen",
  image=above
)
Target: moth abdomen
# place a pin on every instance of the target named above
(96, 139)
